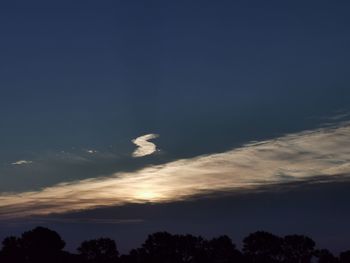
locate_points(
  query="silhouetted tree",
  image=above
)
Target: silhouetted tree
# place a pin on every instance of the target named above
(221, 250)
(189, 248)
(102, 250)
(160, 247)
(344, 257)
(138, 255)
(163, 247)
(44, 245)
(12, 250)
(263, 247)
(325, 256)
(298, 249)
(35, 246)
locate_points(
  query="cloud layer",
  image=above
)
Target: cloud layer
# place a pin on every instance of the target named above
(144, 146)
(291, 158)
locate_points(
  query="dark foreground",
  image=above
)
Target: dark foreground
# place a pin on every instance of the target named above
(44, 245)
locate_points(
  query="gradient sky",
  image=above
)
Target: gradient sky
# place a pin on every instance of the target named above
(246, 106)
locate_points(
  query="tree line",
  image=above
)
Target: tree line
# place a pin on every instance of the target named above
(41, 245)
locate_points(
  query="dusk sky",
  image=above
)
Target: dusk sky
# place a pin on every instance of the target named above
(122, 118)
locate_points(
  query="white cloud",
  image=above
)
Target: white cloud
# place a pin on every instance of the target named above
(340, 116)
(292, 158)
(21, 162)
(144, 146)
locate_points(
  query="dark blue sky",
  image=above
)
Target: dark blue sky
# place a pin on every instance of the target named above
(208, 76)
(92, 73)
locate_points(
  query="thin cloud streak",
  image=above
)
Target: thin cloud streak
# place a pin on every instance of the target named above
(144, 146)
(21, 162)
(292, 158)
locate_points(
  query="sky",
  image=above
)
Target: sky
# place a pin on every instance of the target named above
(122, 118)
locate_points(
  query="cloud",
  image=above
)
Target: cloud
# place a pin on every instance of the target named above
(340, 116)
(309, 155)
(21, 162)
(70, 220)
(144, 146)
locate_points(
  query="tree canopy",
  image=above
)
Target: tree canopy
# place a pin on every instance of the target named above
(41, 245)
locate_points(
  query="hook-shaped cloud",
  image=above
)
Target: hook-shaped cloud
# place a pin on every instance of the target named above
(144, 146)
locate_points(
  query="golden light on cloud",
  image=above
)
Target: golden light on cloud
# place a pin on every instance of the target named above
(294, 157)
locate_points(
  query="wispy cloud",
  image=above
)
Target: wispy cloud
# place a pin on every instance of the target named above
(15, 222)
(21, 162)
(144, 146)
(309, 155)
(340, 116)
